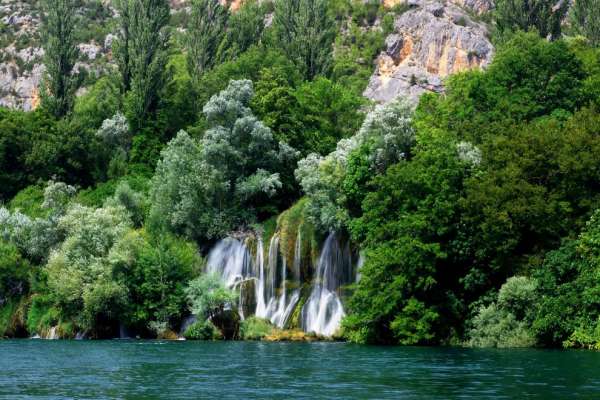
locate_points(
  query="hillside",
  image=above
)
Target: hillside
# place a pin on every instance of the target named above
(407, 173)
(428, 40)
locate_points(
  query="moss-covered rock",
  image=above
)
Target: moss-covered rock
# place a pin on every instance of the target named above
(291, 225)
(228, 323)
(247, 301)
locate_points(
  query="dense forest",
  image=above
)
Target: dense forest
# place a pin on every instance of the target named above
(477, 210)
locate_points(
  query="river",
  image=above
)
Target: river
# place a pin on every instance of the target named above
(43, 369)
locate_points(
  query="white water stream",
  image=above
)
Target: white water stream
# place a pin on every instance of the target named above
(277, 290)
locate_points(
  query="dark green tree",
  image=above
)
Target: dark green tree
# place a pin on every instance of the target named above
(61, 52)
(205, 33)
(545, 16)
(305, 31)
(585, 17)
(245, 29)
(147, 57)
(121, 45)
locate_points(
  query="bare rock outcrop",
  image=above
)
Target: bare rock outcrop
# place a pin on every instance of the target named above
(430, 41)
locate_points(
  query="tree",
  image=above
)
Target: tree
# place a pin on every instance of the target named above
(155, 269)
(205, 33)
(585, 17)
(245, 29)
(60, 55)
(122, 43)
(14, 272)
(507, 321)
(332, 182)
(407, 227)
(80, 279)
(544, 16)
(208, 296)
(305, 32)
(569, 309)
(206, 188)
(146, 38)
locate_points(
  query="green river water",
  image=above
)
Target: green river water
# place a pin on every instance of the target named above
(40, 369)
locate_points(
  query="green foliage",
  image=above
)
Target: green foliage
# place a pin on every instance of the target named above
(143, 56)
(208, 296)
(405, 228)
(205, 32)
(327, 112)
(529, 78)
(41, 315)
(569, 288)
(585, 338)
(311, 117)
(98, 104)
(202, 330)
(585, 18)
(60, 55)
(245, 29)
(305, 33)
(254, 328)
(29, 202)
(355, 52)
(542, 16)
(507, 322)
(206, 188)
(79, 265)
(34, 146)
(155, 270)
(335, 184)
(14, 273)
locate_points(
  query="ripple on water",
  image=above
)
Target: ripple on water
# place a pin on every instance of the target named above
(256, 370)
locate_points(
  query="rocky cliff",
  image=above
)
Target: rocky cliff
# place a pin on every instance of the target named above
(431, 40)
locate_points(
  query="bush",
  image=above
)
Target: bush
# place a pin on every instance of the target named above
(202, 330)
(493, 327)
(255, 328)
(507, 322)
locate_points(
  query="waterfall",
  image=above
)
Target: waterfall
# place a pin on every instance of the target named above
(52, 335)
(261, 305)
(298, 256)
(323, 311)
(278, 307)
(229, 259)
(275, 301)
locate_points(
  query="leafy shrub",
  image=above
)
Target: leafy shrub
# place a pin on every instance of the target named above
(255, 328)
(202, 330)
(507, 322)
(208, 296)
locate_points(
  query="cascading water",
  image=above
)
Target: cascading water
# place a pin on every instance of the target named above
(323, 310)
(229, 259)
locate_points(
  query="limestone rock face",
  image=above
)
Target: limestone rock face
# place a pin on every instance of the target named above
(430, 41)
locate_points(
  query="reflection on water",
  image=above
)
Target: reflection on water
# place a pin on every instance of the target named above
(254, 370)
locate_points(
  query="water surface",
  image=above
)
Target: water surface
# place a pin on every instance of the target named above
(37, 369)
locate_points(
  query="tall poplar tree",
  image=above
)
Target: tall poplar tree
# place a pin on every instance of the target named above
(142, 54)
(305, 31)
(545, 16)
(61, 52)
(121, 45)
(585, 17)
(206, 31)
